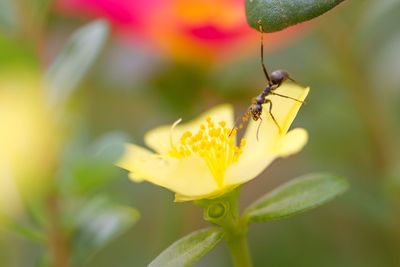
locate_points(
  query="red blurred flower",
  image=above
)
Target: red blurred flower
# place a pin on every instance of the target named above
(197, 30)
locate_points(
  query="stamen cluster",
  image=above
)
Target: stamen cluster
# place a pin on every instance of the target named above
(214, 143)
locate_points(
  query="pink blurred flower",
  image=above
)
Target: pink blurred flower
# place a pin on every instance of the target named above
(200, 30)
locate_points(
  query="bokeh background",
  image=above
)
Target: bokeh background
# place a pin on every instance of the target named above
(146, 63)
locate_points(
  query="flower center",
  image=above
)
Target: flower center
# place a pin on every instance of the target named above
(214, 143)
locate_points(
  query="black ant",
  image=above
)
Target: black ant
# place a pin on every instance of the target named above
(274, 80)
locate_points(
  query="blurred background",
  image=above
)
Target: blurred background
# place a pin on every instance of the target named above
(80, 77)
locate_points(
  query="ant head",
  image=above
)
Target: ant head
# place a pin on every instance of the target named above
(255, 110)
(278, 76)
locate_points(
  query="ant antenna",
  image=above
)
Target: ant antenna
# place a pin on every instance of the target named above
(260, 28)
(244, 119)
(235, 126)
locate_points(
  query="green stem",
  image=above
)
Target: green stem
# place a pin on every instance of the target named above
(58, 241)
(239, 249)
(225, 213)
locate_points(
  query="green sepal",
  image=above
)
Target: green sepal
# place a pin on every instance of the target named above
(222, 210)
(277, 15)
(189, 249)
(297, 196)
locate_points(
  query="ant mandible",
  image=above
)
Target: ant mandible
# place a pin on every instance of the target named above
(274, 80)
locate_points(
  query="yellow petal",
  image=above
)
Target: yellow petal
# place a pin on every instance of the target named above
(189, 176)
(271, 144)
(159, 138)
(140, 162)
(283, 109)
(248, 167)
(292, 142)
(217, 193)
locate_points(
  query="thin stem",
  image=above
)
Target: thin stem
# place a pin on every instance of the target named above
(225, 213)
(58, 243)
(239, 248)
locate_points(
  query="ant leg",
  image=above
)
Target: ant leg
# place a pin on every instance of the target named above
(258, 129)
(262, 52)
(268, 101)
(289, 97)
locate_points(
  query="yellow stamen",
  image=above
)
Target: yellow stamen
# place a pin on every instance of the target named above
(214, 143)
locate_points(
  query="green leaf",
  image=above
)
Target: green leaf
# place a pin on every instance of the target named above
(297, 196)
(28, 232)
(75, 60)
(86, 167)
(97, 223)
(189, 249)
(277, 15)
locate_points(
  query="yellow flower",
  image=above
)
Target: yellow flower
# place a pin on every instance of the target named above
(200, 159)
(29, 140)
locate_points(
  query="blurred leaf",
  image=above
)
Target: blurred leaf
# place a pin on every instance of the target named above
(75, 60)
(189, 249)
(385, 62)
(277, 15)
(42, 5)
(16, 55)
(87, 167)
(43, 260)
(179, 86)
(297, 196)
(25, 231)
(378, 11)
(378, 17)
(392, 181)
(7, 14)
(97, 223)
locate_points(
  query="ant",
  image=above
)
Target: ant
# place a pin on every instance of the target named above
(275, 79)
